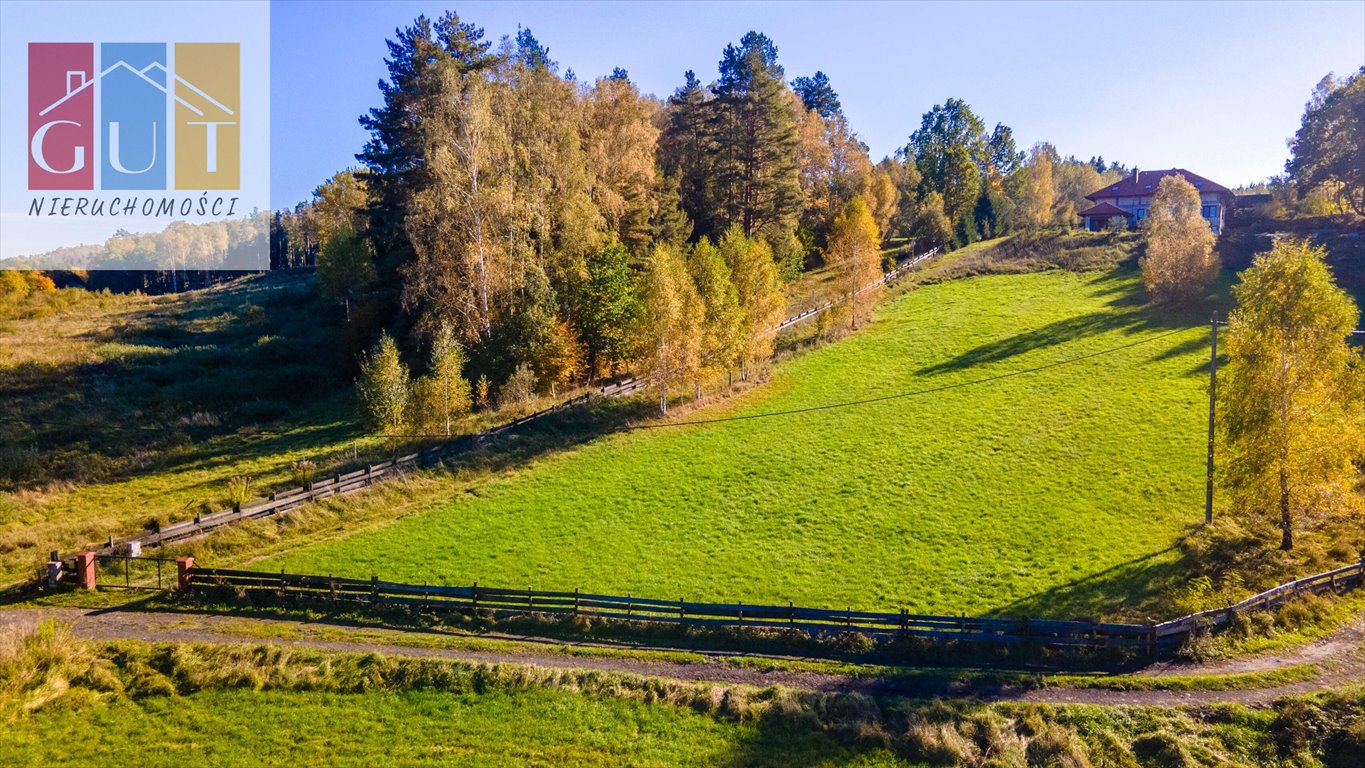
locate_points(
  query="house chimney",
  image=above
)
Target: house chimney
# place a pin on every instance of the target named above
(1137, 176)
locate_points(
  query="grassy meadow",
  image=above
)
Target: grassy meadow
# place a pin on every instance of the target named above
(169, 703)
(123, 409)
(408, 728)
(1057, 492)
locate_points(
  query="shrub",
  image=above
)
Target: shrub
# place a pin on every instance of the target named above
(519, 389)
(239, 491)
(302, 473)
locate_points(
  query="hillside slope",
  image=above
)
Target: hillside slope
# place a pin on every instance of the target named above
(1059, 491)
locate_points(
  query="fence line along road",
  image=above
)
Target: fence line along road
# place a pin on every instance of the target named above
(334, 485)
(1151, 638)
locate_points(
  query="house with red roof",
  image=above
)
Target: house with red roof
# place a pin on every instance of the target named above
(1131, 197)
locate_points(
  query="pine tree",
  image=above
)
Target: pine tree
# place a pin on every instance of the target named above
(393, 156)
(685, 152)
(1292, 392)
(817, 95)
(1179, 263)
(754, 170)
(384, 387)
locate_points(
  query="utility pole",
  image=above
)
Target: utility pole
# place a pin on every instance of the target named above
(1213, 400)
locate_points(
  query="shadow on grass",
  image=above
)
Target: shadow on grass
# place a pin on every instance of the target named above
(1130, 587)
(1129, 312)
(174, 384)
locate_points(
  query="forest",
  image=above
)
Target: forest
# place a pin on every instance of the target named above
(563, 230)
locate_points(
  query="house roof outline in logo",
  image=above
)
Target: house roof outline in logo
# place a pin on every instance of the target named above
(142, 73)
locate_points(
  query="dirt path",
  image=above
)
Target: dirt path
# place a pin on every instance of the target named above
(1339, 656)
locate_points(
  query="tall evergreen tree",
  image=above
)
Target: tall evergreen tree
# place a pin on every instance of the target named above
(395, 166)
(817, 95)
(753, 134)
(685, 150)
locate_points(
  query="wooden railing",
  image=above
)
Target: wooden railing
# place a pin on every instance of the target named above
(1151, 638)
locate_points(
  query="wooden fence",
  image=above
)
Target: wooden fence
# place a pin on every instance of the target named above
(887, 279)
(334, 485)
(1339, 579)
(1149, 638)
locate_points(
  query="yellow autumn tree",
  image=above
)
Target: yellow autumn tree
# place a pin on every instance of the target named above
(1180, 263)
(670, 329)
(1040, 192)
(1292, 393)
(854, 253)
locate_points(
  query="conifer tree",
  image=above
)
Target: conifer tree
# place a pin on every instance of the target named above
(753, 127)
(393, 156)
(384, 387)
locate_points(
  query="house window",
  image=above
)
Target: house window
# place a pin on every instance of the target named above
(1211, 212)
(1140, 214)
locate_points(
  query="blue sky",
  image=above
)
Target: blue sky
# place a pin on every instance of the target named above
(1213, 87)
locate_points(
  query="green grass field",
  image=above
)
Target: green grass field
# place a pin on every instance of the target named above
(1058, 492)
(495, 728)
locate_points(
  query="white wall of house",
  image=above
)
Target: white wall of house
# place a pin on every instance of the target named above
(1213, 206)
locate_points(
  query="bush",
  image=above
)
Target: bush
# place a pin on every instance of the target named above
(239, 491)
(518, 390)
(302, 472)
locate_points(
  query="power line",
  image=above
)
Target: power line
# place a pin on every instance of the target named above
(915, 393)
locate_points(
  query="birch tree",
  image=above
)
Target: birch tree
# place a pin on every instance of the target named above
(1293, 393)
(670, 330)
(1179, 264)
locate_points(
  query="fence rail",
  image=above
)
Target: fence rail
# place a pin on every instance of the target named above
(1152, 638)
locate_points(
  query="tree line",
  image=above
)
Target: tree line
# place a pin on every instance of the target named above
(560, 227)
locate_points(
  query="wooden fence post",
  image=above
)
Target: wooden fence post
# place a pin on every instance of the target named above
(182, 573)
(85, 569)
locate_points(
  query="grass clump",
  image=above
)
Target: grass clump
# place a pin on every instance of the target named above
(46, 667)
(740, 725)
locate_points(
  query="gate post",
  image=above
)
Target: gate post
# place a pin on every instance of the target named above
(182, 573)
(85, 569)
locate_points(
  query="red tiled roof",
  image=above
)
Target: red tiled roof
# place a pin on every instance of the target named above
(1103, 209)
(1145, 183)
